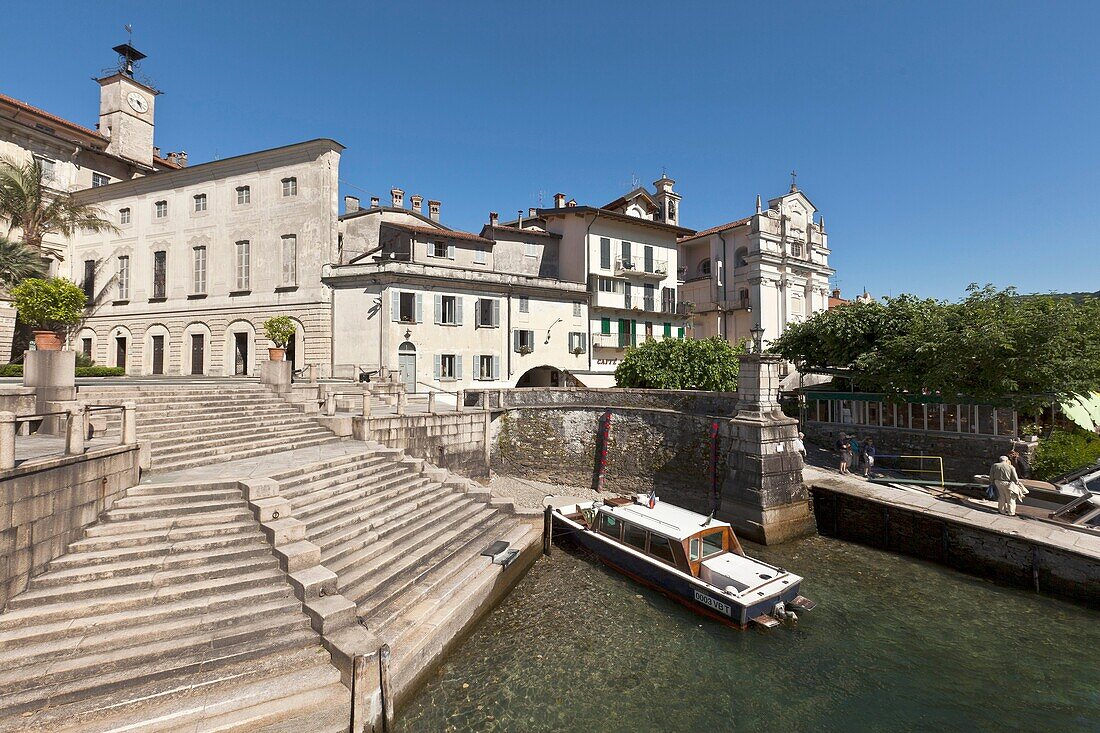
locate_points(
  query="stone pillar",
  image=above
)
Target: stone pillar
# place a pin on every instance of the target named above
(431, 402)
(401, 400)
(74, 433)
(366, 403)
(129, 423)
(313, 374)
(330, 404)
(460, 400)
(764, 497)
(53, 376)
(7, 440)
(276, 374)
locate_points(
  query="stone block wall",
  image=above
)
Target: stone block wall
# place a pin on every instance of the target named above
(964, 455)
(451, 440)
(45, 506)
(721, 404)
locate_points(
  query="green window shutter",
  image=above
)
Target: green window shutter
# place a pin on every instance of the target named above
(668, 330)
(605, 325)
(680, 332)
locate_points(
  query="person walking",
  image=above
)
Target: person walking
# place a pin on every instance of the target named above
(845, 448)
(1003, 475)
(800, 445)
(868, 455)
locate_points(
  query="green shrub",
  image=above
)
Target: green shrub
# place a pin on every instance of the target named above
(51, 305)
(11, 370)
(709, 364)
(280, 330)
(1063, 452)
(99, 371)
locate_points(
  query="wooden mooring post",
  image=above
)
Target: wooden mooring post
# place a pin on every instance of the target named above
(547, 529)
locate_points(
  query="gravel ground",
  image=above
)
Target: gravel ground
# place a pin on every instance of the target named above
(529, 494)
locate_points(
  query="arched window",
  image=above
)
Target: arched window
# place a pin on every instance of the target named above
(740, 256)
(406, 348)
(704, 267)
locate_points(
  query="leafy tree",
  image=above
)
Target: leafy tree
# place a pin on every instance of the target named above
(1063, 452)
(28, 205)
(52, 304)
(18, 262)
(706, 364)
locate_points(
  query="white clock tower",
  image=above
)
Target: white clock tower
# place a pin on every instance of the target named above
(126, 110)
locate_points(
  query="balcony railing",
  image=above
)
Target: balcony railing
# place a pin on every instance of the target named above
(612, 340)
(641, 266)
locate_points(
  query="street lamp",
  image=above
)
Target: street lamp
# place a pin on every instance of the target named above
(757, 333)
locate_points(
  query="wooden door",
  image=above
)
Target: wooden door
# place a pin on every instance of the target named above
(198, 353)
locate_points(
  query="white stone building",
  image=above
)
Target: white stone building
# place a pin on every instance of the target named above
(450, 310)
(767, 269)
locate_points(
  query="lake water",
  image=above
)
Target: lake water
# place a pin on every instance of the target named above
(896, 644)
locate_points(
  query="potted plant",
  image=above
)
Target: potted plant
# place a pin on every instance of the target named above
(279, 330)
(50, 307)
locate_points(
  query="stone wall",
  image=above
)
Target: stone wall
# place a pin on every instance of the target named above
(45, 506)
(686, 401)
(963, 455)
(17, 400)
(991, 552)
(451, 440)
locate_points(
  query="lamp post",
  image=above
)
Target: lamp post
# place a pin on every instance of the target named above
(757, 333)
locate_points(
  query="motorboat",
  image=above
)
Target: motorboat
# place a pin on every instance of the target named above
(689, 557)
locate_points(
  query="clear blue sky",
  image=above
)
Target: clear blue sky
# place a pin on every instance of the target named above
(945, 143)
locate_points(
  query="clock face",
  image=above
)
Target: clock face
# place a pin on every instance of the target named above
(137, 102)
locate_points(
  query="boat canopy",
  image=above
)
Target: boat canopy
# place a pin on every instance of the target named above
(666, 519)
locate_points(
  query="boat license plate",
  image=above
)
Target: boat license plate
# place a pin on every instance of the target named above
(717, 605)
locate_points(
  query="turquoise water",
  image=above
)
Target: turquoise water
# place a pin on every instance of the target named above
(895, 645)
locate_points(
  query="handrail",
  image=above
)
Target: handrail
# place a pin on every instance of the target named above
(438, 389)
(75, 428)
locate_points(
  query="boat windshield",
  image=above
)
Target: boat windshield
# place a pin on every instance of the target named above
(712, 543)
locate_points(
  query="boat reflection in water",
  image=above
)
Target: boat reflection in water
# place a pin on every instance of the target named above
(691, 558)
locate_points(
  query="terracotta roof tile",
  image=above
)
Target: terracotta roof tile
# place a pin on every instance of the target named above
(441, 233)
(54, 118)
(715, 230)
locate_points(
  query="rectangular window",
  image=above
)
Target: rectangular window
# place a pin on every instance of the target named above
(160, 274)
(712, 543)
(200, 202)
(244, 194)
(161, 209)
(694, 549)
(525, 341)
(481, 256)
(198, 271)
(668, 300)
(290, 186)
(446, 310)
(124, 216)
(244, 266)
(634, 536)
(447, 366)
(607, 285)
(123, 277)
(649, 301)
(610, 525)
(605, 253)
(488, 367)
(488, 313)
(86, 347)
(577, 310)
(442, 250)
(530, 249)
(49, 168)
(577, 342)
(98, 179)
(661, 548)
(89, 280)
(524, 304)
(290, 259)
(407, 308)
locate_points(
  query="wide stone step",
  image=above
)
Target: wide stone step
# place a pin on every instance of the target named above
(219, 416)
(158, 510)
(386, 521)
(365, 510)
(179, 488)
(384, 570)
(418, 526)
(83, 555)
(182, 460)
(109, 672)
(133, 500)
(28, 626)
(170, 560)
(126, 535)
(321, 469)
(148, 583)
(321, 503)
(375, 474)
(203, 398)
(245, 436)
(183, 624)
(322, 480)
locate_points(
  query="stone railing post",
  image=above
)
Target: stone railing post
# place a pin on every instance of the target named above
(330, 404)
(313, 374)
(431, 402)
(7, 441)
(460, 400)
(129, 423)
(402, 399)
(74, 434)
(366, 403)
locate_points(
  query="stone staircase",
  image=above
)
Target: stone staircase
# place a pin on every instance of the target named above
(190, 426)
(171, 614)
(403, 540)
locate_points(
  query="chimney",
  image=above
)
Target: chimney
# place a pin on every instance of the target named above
(493, 218)
(519, 218)
(433, 210)
(836, 293)
(571, 203)
(374, 202)
(351, 204)
(181, 158)
(417, 201)
(531, 213)
(174, 158)
(397, 198)
(156, 151)
(559, 201)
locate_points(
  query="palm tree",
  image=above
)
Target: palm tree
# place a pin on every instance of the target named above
(29, 206)
(18, 262)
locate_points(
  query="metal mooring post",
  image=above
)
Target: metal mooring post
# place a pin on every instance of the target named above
(604, 436)
(547, 529)
(387, 696)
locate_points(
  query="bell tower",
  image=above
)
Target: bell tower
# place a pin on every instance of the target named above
(668, 200)
(126, 109)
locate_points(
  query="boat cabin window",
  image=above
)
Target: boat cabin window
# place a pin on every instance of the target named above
(661, 548)
(634, 536)
(712, 543)
(609, 525)
(695, 549)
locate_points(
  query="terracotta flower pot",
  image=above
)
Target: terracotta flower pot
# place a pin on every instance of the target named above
(276, 354)
(48, 341)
